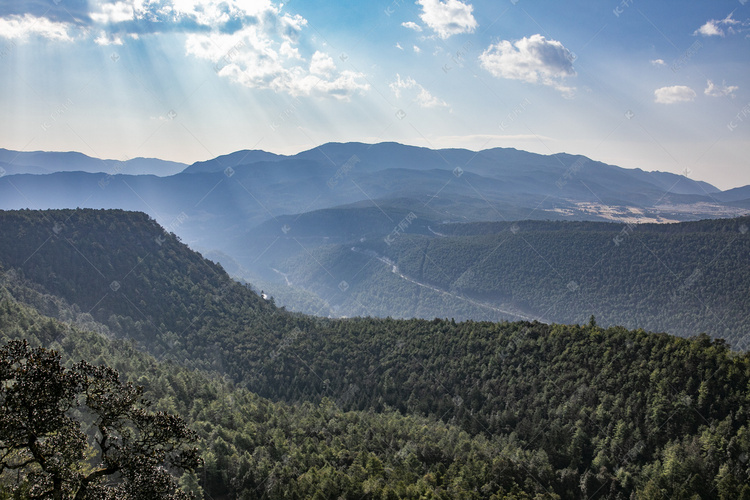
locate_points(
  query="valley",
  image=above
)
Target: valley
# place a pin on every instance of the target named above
(286, 404)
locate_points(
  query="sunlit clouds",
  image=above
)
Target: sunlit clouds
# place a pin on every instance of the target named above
(447, 18)
(640, 88)
(22, 27)
(674, 94)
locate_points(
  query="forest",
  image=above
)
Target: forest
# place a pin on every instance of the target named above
(682, 278)
(286, 405)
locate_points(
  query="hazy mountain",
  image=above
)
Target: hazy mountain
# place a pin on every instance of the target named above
(500, 163)
(221, 163)
(335, 174)
(43, 162)
(260, 209)
(506, 164)
(734, 195)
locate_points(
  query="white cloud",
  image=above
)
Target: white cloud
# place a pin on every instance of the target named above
(400, 84)
(674, 94)
(412, 26)
(711, 28)
(22, 27)
(531, 59)
(427, 100)
(121, 19)
(105, 39)
(287, 50)
(249, 57)
(214, 13)
(398, 46)
(449, 17)
(417, 49)
(252, 42)
(264, 54)
(720, 91)
(716, 27)
(117, 12)
(342, 87)
(658, 62)
(291, 26)
(322, 64)
(422, 96)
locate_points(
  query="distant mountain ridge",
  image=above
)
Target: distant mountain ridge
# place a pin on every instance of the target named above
(496, 162)
(490, 162)
(258, 210)
(47, 162)
(221, 163)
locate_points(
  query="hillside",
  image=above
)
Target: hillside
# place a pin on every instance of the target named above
(521, 408)
(255, 448)
(683, 278)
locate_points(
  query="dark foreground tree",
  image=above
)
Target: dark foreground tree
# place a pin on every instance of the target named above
(81, 433)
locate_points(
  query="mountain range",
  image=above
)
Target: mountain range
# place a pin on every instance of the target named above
(47, 162)
(306, 227)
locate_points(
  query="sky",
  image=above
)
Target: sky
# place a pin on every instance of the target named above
(653, 85)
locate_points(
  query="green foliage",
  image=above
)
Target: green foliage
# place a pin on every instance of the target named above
(568, 406)
(255, 448)
(681, 278)
(292, 406)
(42, 447)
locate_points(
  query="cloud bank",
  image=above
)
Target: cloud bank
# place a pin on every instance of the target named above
(22, 27)
(252, 42)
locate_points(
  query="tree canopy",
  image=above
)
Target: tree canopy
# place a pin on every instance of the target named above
(79, 433)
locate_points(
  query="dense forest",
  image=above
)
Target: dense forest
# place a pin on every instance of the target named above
(293, 406)
(683, 278)
(255, 448)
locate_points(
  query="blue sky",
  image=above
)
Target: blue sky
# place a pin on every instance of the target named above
(657, 85)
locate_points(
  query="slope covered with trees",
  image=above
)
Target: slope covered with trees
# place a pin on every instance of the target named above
(292, 405)
(685, 278)
(254, 448)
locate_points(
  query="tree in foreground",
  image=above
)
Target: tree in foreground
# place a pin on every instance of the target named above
(81, 433)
